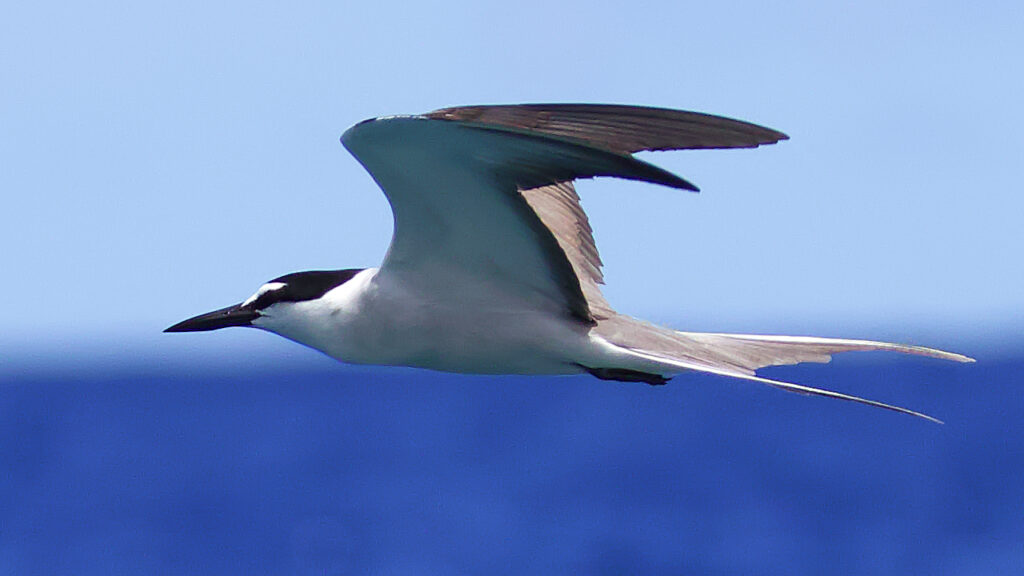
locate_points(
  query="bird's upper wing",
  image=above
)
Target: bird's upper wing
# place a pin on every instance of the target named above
(485, 191)
(624, 129)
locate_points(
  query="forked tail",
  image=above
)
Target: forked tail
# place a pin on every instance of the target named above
(662, 352)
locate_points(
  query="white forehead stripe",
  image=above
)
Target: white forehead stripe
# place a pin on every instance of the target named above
(263, 290)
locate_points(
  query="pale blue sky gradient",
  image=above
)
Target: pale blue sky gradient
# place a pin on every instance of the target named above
(160, 160)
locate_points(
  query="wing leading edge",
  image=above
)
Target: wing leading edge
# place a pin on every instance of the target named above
(488, 189)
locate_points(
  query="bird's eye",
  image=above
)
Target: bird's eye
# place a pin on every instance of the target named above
(266, 299)
(267, 295)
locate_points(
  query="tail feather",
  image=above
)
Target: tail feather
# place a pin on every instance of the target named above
(758, 351)
(740, 355)
(743, 352)
(787, 386)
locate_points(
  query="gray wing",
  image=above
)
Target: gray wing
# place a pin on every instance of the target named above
(558, 207)
(487, 190)
(456, 193)
(623, 129)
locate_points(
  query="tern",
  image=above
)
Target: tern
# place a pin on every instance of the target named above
(493, 269)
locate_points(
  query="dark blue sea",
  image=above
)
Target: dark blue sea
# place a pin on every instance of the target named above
(145, 465)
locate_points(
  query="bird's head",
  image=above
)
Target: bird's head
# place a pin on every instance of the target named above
(274, 303)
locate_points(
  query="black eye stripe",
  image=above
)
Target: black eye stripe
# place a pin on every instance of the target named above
(266, 299)
(302, 286)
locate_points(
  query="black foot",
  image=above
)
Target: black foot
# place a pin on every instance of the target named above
(624, 375)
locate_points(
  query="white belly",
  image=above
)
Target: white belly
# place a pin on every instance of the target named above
(486, 342)
(478, 333)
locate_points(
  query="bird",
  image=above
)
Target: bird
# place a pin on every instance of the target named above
(493, 268)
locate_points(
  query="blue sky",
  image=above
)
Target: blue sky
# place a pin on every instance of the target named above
(164, 159)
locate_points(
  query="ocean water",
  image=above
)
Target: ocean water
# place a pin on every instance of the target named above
(310, 467)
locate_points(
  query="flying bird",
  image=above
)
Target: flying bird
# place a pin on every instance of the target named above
(493, 268)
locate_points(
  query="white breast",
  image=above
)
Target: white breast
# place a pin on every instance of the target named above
(373, 319)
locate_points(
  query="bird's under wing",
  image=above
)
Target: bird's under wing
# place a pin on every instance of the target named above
(487, 190)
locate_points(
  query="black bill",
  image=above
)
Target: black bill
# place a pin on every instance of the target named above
(231, 316)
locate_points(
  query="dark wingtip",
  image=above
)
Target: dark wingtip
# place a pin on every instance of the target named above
(687, 185)
(661, 176)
